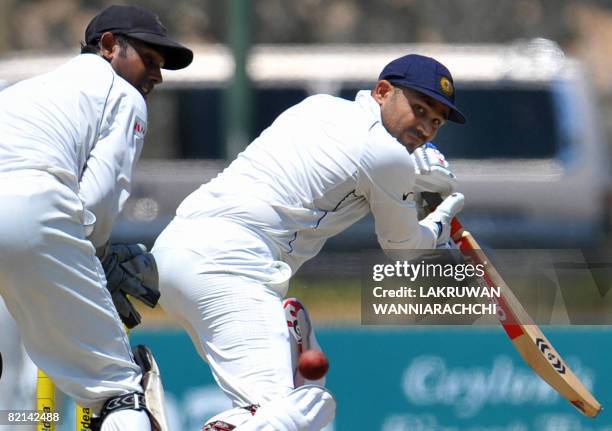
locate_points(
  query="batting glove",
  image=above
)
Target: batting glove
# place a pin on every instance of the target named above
(433, 172)
(433, 175)
(440, 219)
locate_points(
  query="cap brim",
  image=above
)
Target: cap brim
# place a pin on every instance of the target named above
(176, 56)
(454, 115)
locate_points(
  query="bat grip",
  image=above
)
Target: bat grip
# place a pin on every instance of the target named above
(456, 228)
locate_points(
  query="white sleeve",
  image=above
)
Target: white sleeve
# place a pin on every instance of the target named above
(106, 181)
(386, 180)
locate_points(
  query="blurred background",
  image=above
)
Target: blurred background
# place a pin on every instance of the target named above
(533, 77)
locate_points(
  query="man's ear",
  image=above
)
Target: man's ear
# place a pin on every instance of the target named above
(107, 45)
(382, 90)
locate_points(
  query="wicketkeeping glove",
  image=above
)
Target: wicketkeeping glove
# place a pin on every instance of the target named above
(130, 270)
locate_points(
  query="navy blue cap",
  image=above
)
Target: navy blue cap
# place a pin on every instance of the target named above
(427, 76)
(141, 24)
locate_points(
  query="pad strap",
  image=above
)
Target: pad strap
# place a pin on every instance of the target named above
(218, 426)
(131, 401)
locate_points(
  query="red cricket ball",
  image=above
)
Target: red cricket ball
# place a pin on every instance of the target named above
(313, 364)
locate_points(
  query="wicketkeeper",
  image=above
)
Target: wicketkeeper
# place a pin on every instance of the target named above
(226, 258)
(69, 140)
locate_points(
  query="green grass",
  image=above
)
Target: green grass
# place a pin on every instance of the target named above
(330, 300)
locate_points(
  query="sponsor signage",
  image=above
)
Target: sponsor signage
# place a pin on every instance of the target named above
(417, 379)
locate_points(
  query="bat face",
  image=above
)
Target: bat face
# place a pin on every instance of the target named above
(470, 249)
(555, 361)
(528, 339)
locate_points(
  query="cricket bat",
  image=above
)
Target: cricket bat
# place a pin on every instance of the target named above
(528, 339)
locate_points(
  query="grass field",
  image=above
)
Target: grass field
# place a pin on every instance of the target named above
(330, 301)
(330, 286)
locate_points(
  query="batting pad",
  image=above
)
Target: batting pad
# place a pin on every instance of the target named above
(307, 408)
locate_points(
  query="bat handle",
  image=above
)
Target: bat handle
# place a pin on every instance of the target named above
(456, 229)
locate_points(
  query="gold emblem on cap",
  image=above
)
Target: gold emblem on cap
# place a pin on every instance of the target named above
(447, 86)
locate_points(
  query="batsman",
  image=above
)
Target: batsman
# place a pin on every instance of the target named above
(69, 140)
(226, 259)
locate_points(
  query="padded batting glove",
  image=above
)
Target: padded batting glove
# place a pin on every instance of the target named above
(130, 270)
(439, 221)
(433, 175)
(433, 172)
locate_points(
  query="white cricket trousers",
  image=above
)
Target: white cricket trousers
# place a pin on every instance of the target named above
(222, 283)
(55, 289)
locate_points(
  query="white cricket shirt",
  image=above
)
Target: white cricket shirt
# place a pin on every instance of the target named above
(84, 124)
(320, 167)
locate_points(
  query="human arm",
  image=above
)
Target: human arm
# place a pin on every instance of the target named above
(386, 178)
(105, 183)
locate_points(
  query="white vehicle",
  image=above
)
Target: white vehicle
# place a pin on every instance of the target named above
(531, 161)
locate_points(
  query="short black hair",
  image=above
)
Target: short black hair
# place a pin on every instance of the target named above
(91, 48)
(94, 46)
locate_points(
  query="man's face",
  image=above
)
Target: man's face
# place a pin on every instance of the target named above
(137, 63)
(411, 117)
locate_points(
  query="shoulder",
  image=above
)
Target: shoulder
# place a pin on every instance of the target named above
(322, 103)
(330, 115)
(337, 112)
(384, 159)
(128, 95)
(92, 67)
(104, 78)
